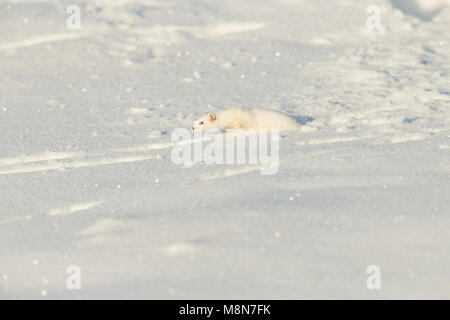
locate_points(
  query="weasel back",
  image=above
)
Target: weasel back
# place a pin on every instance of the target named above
(263, 119)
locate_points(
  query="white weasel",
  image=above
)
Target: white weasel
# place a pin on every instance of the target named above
(244, 119)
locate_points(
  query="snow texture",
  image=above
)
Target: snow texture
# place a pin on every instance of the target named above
(86, 178)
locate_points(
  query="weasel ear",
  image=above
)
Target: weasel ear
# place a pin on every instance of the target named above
(212, 116)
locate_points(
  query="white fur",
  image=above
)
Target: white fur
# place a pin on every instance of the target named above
(244, 119)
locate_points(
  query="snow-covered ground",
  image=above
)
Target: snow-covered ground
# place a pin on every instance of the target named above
(86, 176)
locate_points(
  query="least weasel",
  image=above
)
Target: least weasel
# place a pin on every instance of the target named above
(244, 119)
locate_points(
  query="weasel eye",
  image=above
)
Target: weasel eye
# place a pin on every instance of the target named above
(200, 123)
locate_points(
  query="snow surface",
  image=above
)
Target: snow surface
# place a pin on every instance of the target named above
(86, 177)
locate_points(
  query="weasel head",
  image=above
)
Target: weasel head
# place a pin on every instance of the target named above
(206, 122)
